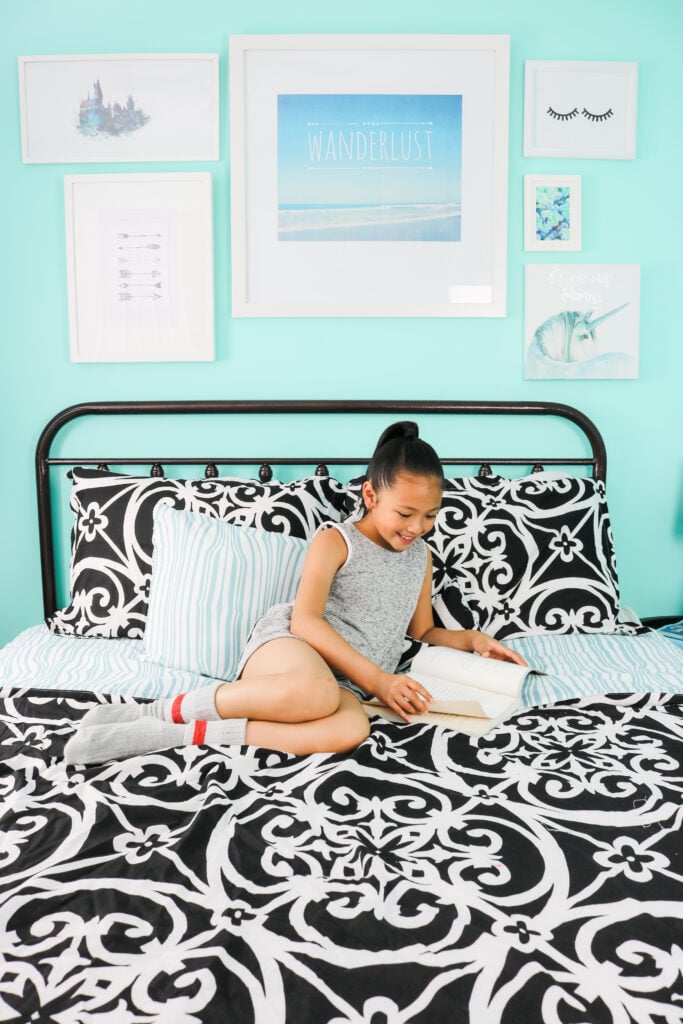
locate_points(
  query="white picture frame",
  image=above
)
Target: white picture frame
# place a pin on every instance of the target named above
(357, 264)
(140, 267)
(119, 107)
(552, 212)
(581, 109)
(582, 321)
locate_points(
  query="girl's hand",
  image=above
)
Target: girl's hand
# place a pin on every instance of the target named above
(403, 695)
(490, 648)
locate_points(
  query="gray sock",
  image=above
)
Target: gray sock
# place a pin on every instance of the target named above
(93, 744)
(108, 714)
(195, 705)
(192, 706)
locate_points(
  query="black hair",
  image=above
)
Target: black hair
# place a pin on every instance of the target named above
(401, 449)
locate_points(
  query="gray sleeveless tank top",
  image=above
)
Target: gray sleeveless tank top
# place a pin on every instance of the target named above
(374, 595)
(371, 602)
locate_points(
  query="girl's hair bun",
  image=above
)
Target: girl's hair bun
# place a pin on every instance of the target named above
(400, 448)
(404, 430)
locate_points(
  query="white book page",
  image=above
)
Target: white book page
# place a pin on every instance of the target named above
(452, 698)
(472, 725)
(468, 670)
(462, 723)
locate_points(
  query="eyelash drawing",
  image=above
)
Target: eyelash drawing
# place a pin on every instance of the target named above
(575, 113)
(563, 117)
(597, 117)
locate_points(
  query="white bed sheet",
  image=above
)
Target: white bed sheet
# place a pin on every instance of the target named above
(576, 666)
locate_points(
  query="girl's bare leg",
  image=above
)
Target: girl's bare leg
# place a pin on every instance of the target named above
(341, 731)
(285, 680)
(293, 702)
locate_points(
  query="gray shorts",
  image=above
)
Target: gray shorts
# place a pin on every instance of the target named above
(275, 625)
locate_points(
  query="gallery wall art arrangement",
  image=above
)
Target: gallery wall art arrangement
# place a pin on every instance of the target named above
(371, 183)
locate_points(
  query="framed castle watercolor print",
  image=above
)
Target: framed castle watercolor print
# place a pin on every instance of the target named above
(369, 175)
(552, 212)
(119, 107)
(580, 108)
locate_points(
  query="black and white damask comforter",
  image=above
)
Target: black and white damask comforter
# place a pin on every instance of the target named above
(532, 875)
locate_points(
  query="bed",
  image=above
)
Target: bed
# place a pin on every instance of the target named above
(532, 874)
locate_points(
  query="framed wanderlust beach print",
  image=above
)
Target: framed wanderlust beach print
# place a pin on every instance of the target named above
(369, 175)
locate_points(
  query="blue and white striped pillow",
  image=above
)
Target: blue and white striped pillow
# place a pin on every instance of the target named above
(211, 581)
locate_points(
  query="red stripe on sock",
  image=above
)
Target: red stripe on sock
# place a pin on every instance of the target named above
(176, 710)
(199, 733)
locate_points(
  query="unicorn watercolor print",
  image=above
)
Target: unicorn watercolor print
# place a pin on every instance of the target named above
(582, 321)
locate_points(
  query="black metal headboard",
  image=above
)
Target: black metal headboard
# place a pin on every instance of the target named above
(596, 462)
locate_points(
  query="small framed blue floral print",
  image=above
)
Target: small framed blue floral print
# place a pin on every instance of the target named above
(552, 212)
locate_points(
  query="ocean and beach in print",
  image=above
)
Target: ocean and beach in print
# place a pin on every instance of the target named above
(369, 167)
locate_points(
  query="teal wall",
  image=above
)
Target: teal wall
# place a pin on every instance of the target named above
(632, 213)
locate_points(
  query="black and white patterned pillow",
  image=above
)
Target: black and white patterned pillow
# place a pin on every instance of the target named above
(353, 499)
(111, 540)
(531, 555)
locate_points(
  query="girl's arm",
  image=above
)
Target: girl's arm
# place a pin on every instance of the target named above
(326, 554)
(422, 628)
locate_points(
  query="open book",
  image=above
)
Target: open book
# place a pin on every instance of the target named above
(470, 694)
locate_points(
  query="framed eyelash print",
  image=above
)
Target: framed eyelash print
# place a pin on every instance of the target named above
(580, 108)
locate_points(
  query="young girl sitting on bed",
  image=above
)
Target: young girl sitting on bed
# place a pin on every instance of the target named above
(306, 667)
